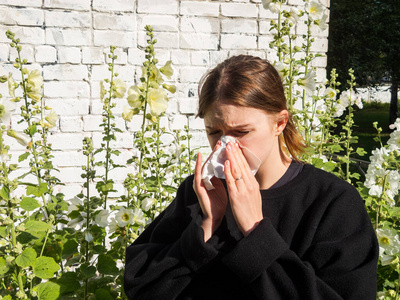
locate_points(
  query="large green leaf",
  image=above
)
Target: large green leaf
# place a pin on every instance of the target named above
(5, 193)
(88, 271)
(106, 265)
(48, 291)
(29, 204)
(102, 294)
(45, 267)
(3, 266)
(37, 190)
(27, 258)
(68, 282)
(70, 248)
(36, 226)
(3, 231)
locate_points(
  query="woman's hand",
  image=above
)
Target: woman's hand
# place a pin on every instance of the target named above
(243, 189)
(212, 202)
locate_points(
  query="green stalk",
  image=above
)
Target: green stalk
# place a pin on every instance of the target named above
(158, 164)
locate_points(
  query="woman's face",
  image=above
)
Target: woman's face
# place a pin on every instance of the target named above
(254, 128)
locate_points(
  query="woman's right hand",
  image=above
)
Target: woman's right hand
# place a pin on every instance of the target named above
(212, 202)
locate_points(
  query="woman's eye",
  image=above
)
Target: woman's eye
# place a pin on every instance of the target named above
(243, 132)
(213, 133)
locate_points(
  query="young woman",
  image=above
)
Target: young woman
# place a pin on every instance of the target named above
(290, 232)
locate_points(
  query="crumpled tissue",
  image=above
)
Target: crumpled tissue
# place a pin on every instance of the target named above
(214, 165)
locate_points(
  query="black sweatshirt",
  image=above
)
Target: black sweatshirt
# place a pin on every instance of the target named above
(315, 242)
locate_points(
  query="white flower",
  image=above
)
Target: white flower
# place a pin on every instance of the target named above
(128, 113)
(350, 97)
(395, 125)
(12, 85)
(6, 109)
(266, 3)
(315, 10)
(322, 23)
(102, 90)
(308, 82)
(124, 217)
(88, 237)
(388, 240)
(167, 69)
(386, 259)
(158, 101)
(138, 216)
(294, 15)
(134, 97)
(330, 93)
(119, 88)
(394, 140)
(52, 118)
(34, 85)
(374, 180)
(101, 218)
(113, 226)
(21, 138)
(378, 156)
(148, 203)
(282, 68)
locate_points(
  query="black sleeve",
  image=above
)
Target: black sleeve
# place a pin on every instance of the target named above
(340, 263)
(163, 259)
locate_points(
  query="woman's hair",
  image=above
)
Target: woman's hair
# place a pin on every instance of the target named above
(249, 81)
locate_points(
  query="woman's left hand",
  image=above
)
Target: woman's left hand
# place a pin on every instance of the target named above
(243, 190)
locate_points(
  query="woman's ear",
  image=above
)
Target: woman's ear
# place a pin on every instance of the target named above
(281, 122)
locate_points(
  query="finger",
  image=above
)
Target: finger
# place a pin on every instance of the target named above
(229, 178)
(242, 161)
(197, 172)
(235, 168)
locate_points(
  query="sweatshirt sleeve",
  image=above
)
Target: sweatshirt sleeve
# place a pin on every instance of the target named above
(164, 258)
(339, 263)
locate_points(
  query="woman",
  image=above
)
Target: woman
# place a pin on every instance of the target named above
(290, 232)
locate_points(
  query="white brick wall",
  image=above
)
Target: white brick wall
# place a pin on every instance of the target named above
(68, 41)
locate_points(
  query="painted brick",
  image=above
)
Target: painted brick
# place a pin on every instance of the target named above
(188, 106)
(159, 22)
(71, 124)
(69, 55)
(69, 158)
(179, 122)
(239, 26)
(198, 24)
(68, 19)
(70, 107)
(66, 141)
(92, 122)
(122, 56)
(218, 56)
(199, 139)
(136, 56)
(65, 72)
(196, 123)
(166, 7)
(92, 55)
(199, 41)
(242, 10)
(115, 5)
(112, 37)
(27, 52)
(66, 89)
(68, 37)
(180, 57)
(192, 74)
(267, 14)
(68, 4)
(67, 173)
(200, 58)
(22, 16)
(321, 44)
(135, 124)
(4, 52)
(45, 54)
(264, 26)
(234, 41)
(27, 35)
(28, 3)
(101, 72)
(164, 40)
(264, 41)
(197, 8)
(125, 22)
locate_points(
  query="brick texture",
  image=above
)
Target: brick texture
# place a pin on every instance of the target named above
(68, 42)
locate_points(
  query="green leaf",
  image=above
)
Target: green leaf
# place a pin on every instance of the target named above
(48, 291)
(29, 204)
(73, 261)
(3, 266)
(88, 271)
(33, 130)
(36, 226)
(361, 152)
(8, 297)
(37, 190)
(3, 231)
(102, 294)
(70, 248)
(68, 282)
(106, 265)
(27, 258)
(45, 267)
(23, 156)
(5, 193)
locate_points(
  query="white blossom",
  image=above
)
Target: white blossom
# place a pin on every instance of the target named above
(102, 218)
(124, 217)
(388, 241)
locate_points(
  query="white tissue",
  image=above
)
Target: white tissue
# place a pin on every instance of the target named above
(214, 165)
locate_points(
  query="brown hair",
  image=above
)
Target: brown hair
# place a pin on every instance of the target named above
(252, 82)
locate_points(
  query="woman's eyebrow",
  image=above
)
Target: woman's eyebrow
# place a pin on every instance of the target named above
(235, 126)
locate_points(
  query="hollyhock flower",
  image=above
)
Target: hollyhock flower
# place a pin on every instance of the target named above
(128, 113)
(134, 97)
(349, 97)
(155, 75)
(322, 23)
(330, 93)
(21, 138)
(12, 85)
(386, 259)
(138, 217)
(119, 88)
(395, 125)
(6, 109)
(167, 69)
(315, 10)
(266, 3)
(52, 118)
(388, 240)
(308, 82)
(393, 142)
(102, 218)
(282, 68)
(374, 180)
(124, 217)
(148, 203)
(35, 80)
(275, 7)
(293, 15)
(102, 91)
(378, 156)
(170, 88)
(88, 237)
(158, 101)
(113, 225)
